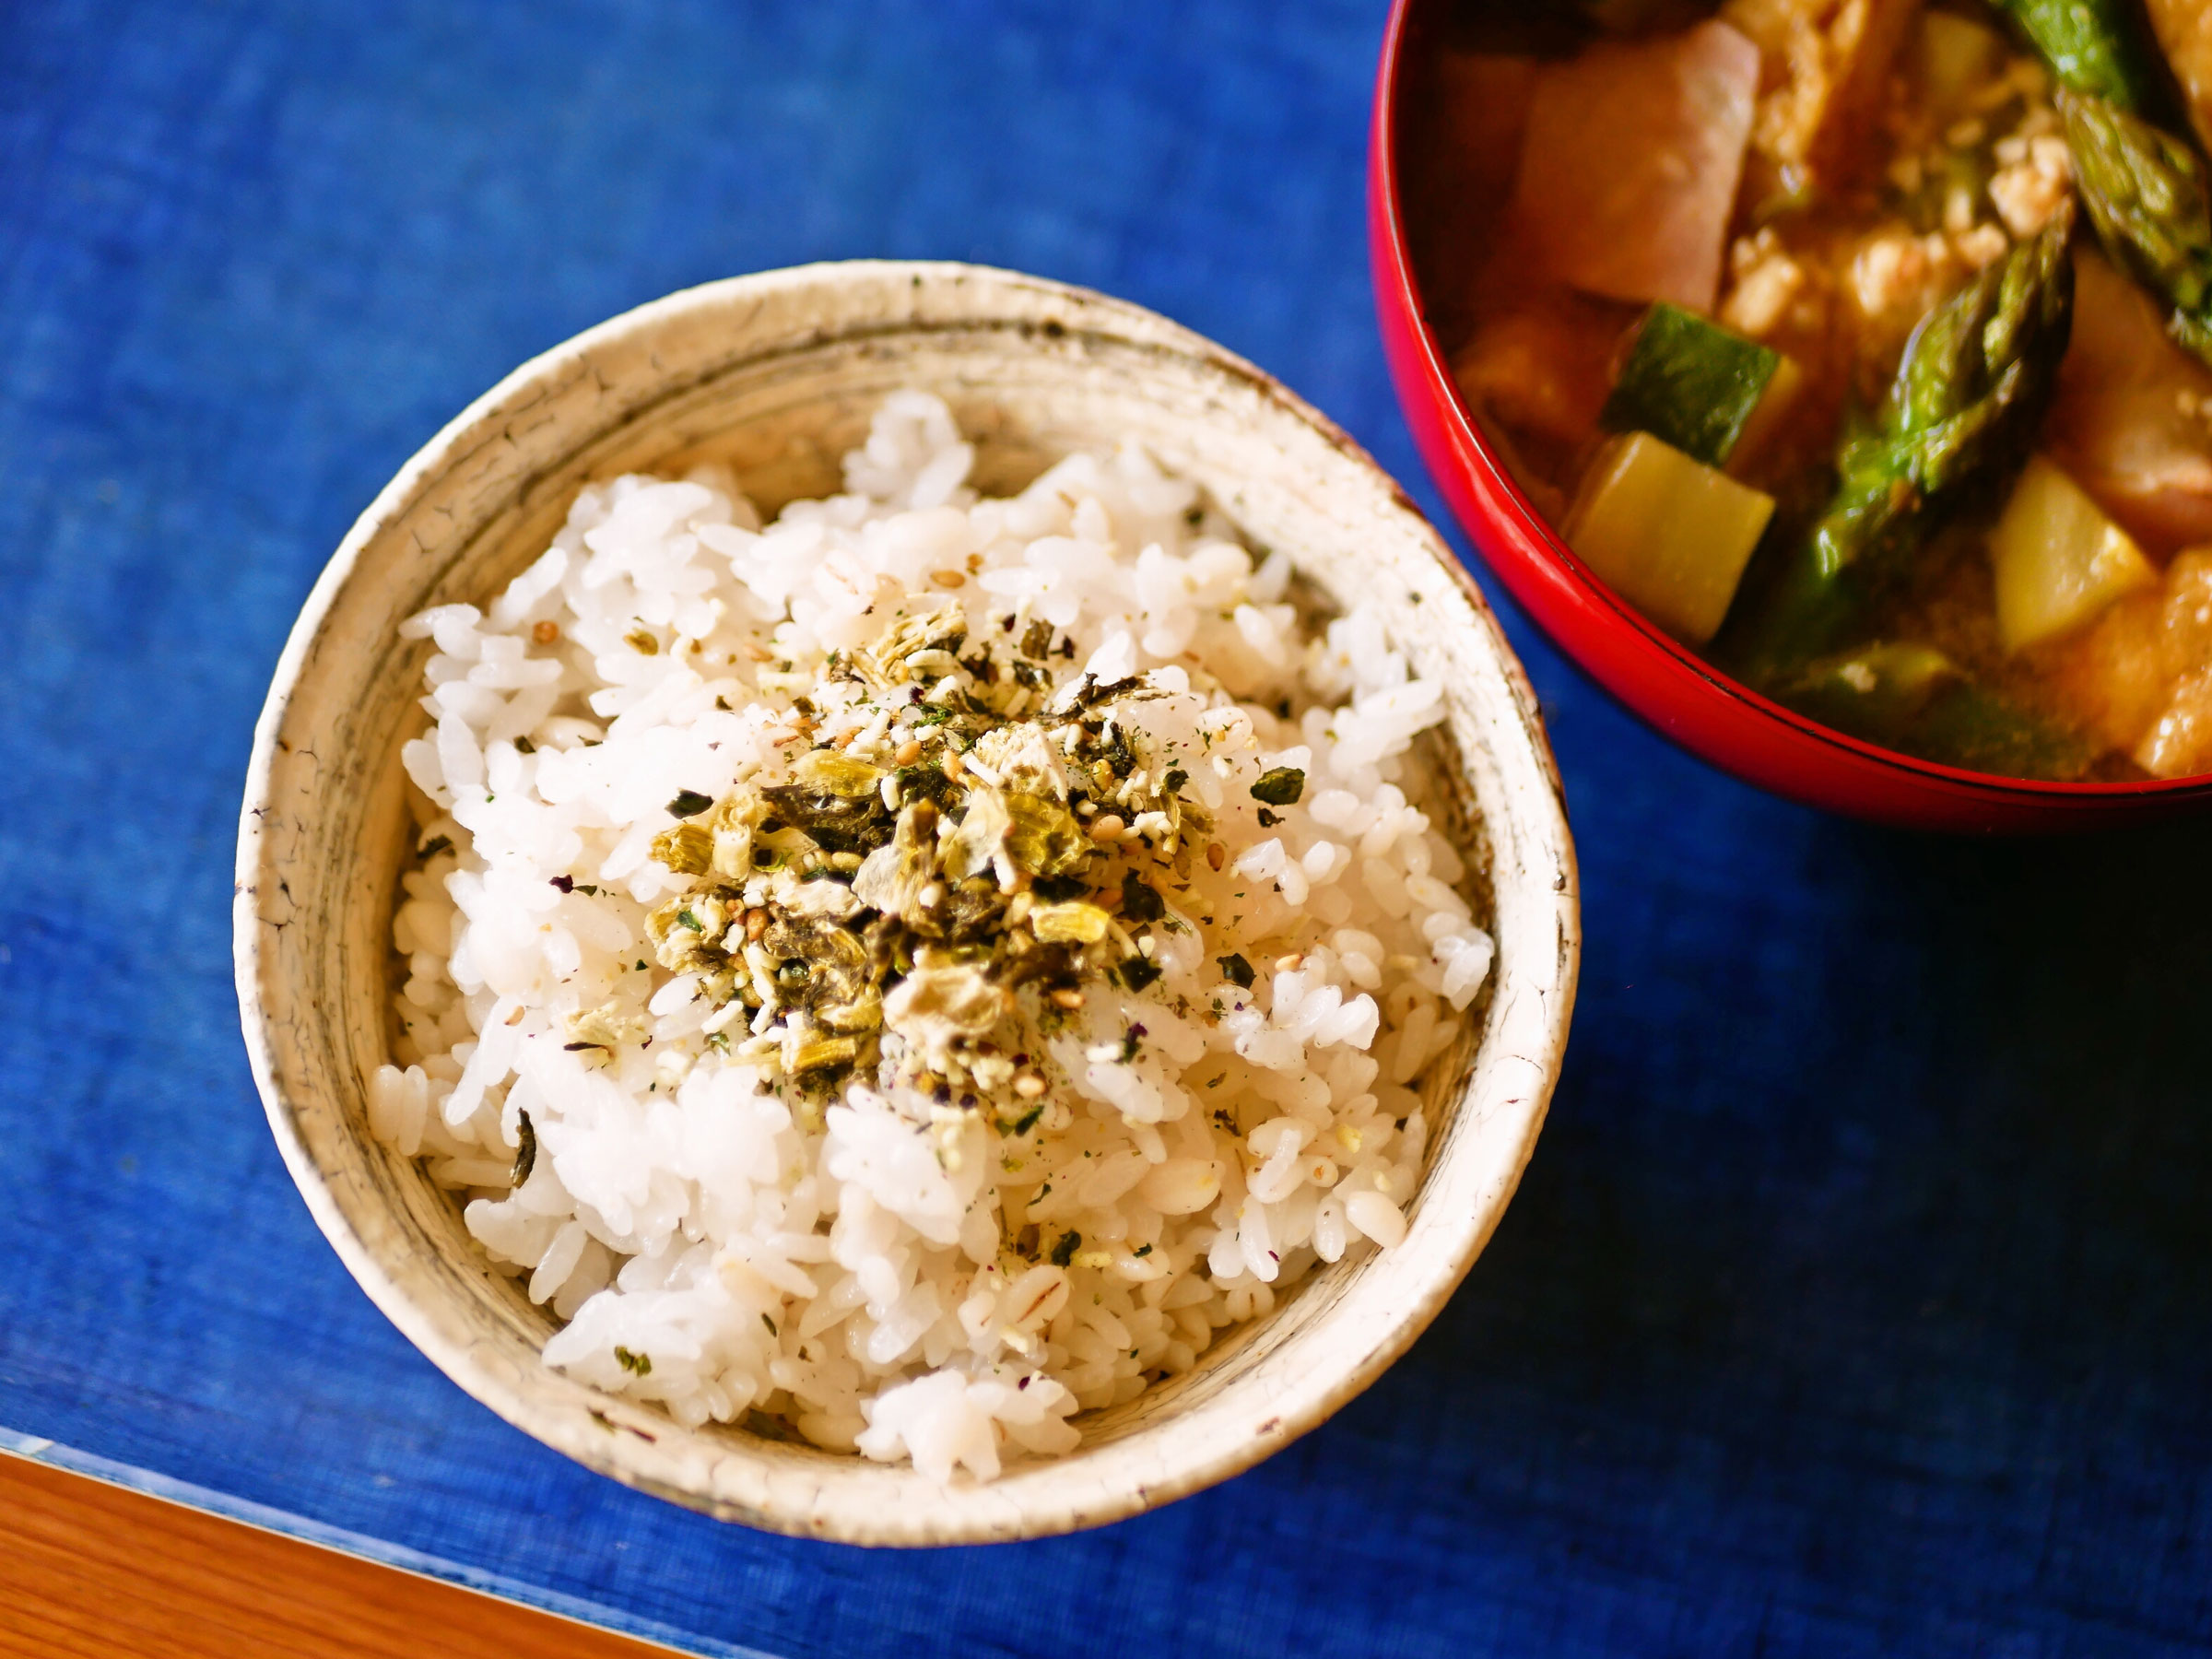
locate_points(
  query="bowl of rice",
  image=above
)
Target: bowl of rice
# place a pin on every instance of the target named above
(904, 904)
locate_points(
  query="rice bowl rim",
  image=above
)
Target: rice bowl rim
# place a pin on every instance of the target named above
(1383, 1302)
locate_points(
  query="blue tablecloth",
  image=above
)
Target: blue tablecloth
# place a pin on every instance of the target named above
(1856, 1301)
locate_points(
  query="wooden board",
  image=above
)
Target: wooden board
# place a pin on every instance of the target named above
(94, 1570)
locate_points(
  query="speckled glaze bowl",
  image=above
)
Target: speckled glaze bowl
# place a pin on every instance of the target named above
(777, 374)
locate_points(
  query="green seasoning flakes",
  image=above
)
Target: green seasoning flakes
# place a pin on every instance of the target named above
(1236, 971)
(1139, 903)
(1063, 1251)
(1139, 971)
(639, 1365)
(525, 1154)
(881, 905)
(1280, 786)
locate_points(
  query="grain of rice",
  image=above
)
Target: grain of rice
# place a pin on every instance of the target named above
(936, 1227)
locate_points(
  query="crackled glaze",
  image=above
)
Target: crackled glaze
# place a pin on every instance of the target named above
(777, 374)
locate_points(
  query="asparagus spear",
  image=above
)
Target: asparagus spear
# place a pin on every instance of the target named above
(1975, 380)
(1916, 699)
(2144, 186)
(2145, 191)
(2090, 46)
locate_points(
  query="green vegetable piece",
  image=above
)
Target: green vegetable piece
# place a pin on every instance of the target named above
(1691, 383)
(1976, 379)
(1280, 786)
(2145, 193)
(1916, 699)
(689, 803)
(1875, 691)
(1236, 971)
(1064, 1250)
(2091, 46)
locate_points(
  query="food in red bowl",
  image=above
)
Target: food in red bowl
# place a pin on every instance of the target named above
(1832, 379)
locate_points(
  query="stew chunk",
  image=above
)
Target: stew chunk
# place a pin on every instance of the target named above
(1629, 170)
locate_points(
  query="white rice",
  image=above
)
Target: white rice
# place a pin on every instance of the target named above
(877, 1271)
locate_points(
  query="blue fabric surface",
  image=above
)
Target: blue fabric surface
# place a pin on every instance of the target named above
(1857, 1300)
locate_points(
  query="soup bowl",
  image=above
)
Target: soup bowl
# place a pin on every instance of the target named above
(775, 375)
(1668, 686)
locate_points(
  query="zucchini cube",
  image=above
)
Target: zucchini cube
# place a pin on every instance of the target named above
(1693, 383)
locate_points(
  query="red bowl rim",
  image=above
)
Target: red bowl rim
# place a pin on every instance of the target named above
(1660, 653)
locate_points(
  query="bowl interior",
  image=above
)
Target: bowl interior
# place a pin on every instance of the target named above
(1431, 215)
(777, 376)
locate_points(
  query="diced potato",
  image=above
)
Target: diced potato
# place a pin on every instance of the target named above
(1955, 57)
(2133, 419)
(2059, 560)
(1630, 164)
(1669, 534)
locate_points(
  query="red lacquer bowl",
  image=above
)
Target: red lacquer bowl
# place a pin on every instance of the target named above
(1669, 686)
